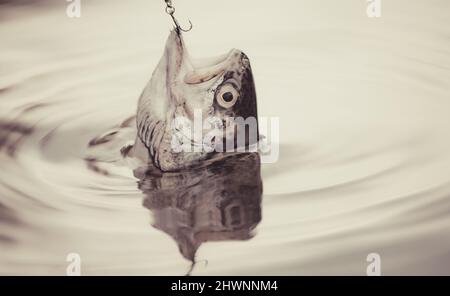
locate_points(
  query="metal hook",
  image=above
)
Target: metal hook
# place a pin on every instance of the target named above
(170, 10)
(194, 262)
(178, 27)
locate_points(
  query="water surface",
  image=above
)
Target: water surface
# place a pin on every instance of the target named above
(364, 156)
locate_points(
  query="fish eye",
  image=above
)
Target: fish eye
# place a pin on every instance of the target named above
(227, 96)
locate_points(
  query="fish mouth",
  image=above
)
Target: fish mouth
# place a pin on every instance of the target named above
(208, 69)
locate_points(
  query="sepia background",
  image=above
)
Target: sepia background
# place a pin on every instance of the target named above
(364, 163)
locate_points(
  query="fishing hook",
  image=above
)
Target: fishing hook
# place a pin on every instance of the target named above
(170, 10)
(194, 262)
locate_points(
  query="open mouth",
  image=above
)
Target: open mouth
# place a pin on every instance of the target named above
(207, 69)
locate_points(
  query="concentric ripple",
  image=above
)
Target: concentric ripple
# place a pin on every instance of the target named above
(364, 157)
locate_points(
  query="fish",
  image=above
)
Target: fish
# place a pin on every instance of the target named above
(217, 90)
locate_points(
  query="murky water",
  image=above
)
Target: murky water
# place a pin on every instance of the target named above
(365, 141)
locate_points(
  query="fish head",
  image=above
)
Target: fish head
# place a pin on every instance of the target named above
(218, 89)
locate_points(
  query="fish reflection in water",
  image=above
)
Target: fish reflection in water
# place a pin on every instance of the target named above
(215, 202)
